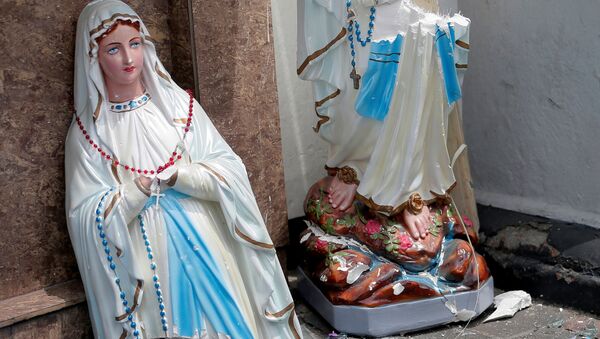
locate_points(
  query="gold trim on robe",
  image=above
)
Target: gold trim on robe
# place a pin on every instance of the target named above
(180, 120)
(112, 204)
(105, 22)
(281, 313)
(463, 44)
(252, 241)
(322, 118)
(320, 52)
(115, 171)
(160, 73)
(292, 325)
(395, 210)
(136, 296)
(98, 105)
(219, 176)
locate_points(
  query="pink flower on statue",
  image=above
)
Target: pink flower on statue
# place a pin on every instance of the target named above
(321, 245)
(467, 221)
(405, 242)
(372, 227)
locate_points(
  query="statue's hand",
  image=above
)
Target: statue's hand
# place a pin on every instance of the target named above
(168, 178)
(341, 195)
(146, 182)
(417, 225)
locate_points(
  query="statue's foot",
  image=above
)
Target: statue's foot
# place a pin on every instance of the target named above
(417, 225)
(341, 195)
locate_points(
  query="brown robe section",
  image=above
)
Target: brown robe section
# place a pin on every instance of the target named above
(364, 287)
(412, 290)
(339, 265)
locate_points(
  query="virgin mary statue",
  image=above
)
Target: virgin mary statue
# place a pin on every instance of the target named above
(166, 230)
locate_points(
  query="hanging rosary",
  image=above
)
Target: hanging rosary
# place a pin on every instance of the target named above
(353, 25)
(174, 156)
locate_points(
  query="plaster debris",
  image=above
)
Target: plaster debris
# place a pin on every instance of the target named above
(509, 303)
(462, 315)
(305, 237)
(354, 273)
(398, 288)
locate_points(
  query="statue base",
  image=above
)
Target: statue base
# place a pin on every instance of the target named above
(397, 318)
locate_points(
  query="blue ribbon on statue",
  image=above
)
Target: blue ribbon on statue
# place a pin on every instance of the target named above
(195, 280)
(445, 46)
(377, 87)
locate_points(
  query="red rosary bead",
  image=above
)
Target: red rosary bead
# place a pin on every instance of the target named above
(172, 159)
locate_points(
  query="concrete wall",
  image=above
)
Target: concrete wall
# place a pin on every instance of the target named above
(531, 103)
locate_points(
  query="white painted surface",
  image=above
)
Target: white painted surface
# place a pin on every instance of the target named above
(532, 106)
(304, 153)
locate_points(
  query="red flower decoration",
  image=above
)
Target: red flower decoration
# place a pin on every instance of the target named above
(373, 226)
(321, 245)
(467, 221)
(405, 242)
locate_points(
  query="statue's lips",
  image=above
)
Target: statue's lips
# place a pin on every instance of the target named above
(129, 69)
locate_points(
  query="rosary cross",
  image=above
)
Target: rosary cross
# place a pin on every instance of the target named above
(356, 78)
(155, 190)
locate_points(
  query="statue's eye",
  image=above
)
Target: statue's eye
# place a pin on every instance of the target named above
(135, 44)
(113, 51)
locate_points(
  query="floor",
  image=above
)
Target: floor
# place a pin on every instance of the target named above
(540, 320)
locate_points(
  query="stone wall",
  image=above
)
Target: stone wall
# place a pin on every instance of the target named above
(236, 75)
(36, 90)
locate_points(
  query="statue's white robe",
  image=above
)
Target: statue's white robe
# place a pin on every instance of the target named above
(405, 153)
(221, 205)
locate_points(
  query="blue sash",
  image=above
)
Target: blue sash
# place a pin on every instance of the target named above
(377, 86)
(445, 46)
(196, 282)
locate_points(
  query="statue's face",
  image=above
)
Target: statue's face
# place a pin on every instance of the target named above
(121, 56)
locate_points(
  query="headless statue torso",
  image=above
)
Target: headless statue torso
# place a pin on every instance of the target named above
(383, 109)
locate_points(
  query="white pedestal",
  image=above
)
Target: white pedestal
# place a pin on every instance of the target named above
(397, 318)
